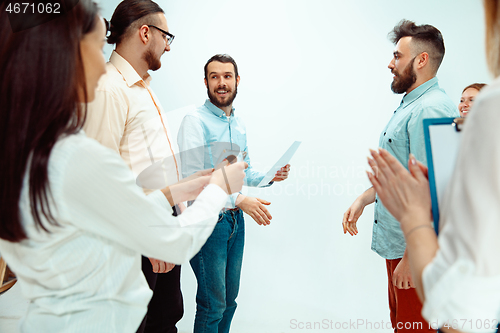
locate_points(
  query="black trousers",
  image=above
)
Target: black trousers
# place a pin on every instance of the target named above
(166, 307)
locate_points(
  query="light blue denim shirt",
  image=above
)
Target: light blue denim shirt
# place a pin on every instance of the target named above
(204, 133)
(404, 134)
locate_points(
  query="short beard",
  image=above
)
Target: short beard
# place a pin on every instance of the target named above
(405, 80)
(213, 98)
(154, 63)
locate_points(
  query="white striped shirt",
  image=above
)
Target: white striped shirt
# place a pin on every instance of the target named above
(85, 276)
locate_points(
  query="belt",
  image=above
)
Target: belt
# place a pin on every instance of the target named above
(229, 210)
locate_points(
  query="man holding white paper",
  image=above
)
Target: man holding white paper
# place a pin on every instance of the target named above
(218, 264)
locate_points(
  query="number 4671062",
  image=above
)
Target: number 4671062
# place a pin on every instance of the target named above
(31, 8)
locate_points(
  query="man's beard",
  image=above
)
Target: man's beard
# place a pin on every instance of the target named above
(213, 98)
(402, 82)
(153, 62)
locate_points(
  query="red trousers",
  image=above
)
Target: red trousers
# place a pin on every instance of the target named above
(405, 306)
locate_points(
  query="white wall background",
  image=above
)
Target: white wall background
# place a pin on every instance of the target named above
(314, 71)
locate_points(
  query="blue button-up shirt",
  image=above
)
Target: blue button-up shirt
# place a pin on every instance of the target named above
(204, 134)
(404, 134)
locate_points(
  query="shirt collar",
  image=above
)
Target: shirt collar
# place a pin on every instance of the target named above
(126, 70)
(419, 91)
(215, 110)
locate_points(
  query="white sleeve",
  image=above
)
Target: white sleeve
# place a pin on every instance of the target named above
(100, 196)
(462, 283)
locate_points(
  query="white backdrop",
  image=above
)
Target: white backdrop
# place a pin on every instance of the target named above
(314, 71)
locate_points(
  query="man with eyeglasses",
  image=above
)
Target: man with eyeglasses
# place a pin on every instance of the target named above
(127, 117)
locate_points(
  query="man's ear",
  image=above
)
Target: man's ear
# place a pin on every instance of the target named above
(423, 60)
(145, 34)
(237, 80)
(206, 83)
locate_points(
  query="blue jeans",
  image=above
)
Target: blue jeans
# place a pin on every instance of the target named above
(217, 268)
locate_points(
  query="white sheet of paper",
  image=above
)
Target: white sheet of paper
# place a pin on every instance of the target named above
(445, 144)
(284, 160)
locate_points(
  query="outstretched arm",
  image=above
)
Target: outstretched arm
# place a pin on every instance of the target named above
(407, 197)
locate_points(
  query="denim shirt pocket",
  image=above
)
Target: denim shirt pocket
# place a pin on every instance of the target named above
(400, 148)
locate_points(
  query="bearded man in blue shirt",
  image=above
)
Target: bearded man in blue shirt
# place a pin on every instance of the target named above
(417, 57)
(203, 135)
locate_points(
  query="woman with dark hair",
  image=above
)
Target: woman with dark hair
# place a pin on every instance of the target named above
(468, 96)
(74, 223)
(458, 275)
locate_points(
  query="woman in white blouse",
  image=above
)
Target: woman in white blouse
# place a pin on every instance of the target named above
(458, 274)
(73, 222)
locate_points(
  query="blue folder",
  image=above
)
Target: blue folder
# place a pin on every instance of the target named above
(442, 142)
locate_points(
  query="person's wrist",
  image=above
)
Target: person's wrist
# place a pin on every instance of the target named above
(221, 184)
(168, 195)
(239, 199)
(414, 219)
(362, 201)
(178, 193)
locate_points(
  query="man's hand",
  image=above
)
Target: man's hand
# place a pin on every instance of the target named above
(230, 178)
(351, 216)
(353, 213)
(256, 209)
(401, 278)
(282, 174)
(161, 266)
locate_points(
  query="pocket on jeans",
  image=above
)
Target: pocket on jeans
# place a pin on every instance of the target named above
(221, 215)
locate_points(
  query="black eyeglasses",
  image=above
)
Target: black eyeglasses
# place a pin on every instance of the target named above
(168, 36)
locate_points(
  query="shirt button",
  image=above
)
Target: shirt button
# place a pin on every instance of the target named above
(390, 140)
(384, 133)
(376, 200)
(375, 221)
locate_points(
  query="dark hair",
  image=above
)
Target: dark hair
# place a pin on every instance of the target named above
(425, 38)
(131, 15)
(477, 86)
(224, 58)
(40, 101)
(492, 18)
